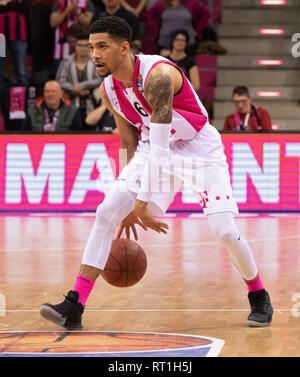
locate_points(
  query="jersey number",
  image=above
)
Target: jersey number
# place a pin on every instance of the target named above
(140, 109)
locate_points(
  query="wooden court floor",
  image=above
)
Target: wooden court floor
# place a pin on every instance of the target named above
(190, 286)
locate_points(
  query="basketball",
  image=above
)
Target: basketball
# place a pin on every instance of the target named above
(126, 264)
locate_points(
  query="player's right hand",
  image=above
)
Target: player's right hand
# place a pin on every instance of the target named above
(129, 224)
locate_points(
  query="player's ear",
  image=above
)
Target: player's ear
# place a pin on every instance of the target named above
(125, 47)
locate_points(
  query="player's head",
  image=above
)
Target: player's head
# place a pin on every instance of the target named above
(241, 99)
(109, 42)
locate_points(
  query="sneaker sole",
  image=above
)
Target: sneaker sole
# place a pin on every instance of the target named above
(53, 316)
(257, 324)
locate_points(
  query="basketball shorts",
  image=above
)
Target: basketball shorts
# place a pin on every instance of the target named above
(199, 163)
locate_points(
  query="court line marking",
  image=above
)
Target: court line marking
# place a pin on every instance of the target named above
(150, 310)
(156, 245)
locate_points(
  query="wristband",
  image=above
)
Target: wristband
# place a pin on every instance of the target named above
(159, 136)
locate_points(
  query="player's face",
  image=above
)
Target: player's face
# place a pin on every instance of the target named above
(106, 52)
(242, 103)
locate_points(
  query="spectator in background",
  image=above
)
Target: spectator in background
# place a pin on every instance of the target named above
(247, 116)
(53, 112)
(64, 14)
(13, 26)
(179, 41)
(138, 8)
(114, 8)
(73, 32)
(79, 78)
(166, 16)
(41, 41)
(102, 120)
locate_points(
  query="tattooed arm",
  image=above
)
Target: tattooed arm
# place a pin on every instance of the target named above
(162, 83)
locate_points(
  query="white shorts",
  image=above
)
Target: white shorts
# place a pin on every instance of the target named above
(210, 179)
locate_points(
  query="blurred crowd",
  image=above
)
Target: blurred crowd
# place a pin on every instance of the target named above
(48, 81)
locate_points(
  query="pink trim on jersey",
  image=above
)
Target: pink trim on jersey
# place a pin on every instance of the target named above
(182, 100)
(138, 94)
(130, 114)
(104, 83)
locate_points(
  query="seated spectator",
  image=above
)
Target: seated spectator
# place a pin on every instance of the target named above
(247, 116)
(166, 16)
(79, 78)
(187, 63)
(101, 120)
(114, 8)
(64, 14)
(13, 26)
(53, 112)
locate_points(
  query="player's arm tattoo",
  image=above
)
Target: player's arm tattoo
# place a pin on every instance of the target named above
(159, 94)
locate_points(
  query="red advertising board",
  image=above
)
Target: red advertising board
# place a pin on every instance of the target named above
(72, 172)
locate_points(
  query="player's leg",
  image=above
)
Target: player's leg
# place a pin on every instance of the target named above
(115, 207)
(216, 198)
(225, 229)
(223, 226)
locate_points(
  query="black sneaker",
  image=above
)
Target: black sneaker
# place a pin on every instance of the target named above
(67, 314)
(261, 309)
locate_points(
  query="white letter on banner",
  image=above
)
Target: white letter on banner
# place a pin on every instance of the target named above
(265, 180)
(51, 170)
(95, 153)
(293, 150)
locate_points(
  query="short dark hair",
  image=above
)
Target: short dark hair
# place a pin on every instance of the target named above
(115, 26)
(82, 37)
(179, 31)
(240, 91)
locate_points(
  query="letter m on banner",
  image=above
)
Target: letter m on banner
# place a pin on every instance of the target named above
(49, 173)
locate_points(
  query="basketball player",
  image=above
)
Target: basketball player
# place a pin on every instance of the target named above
(159, 116)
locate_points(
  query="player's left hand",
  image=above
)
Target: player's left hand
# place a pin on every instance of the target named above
(147, 219)
(129, 224)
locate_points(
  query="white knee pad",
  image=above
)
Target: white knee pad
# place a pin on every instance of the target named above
(115, 207)
(223, 226)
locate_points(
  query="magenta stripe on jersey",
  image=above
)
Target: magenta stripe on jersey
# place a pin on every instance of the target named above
(130, 114)
(185, 103)
(138, 94)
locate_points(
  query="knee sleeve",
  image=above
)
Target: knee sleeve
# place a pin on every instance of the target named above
(109, 214)
(223, 226)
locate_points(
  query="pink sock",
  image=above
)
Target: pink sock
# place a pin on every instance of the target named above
(255, 284)
(83, 286)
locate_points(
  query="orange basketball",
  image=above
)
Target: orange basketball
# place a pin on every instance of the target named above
(126, 264)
